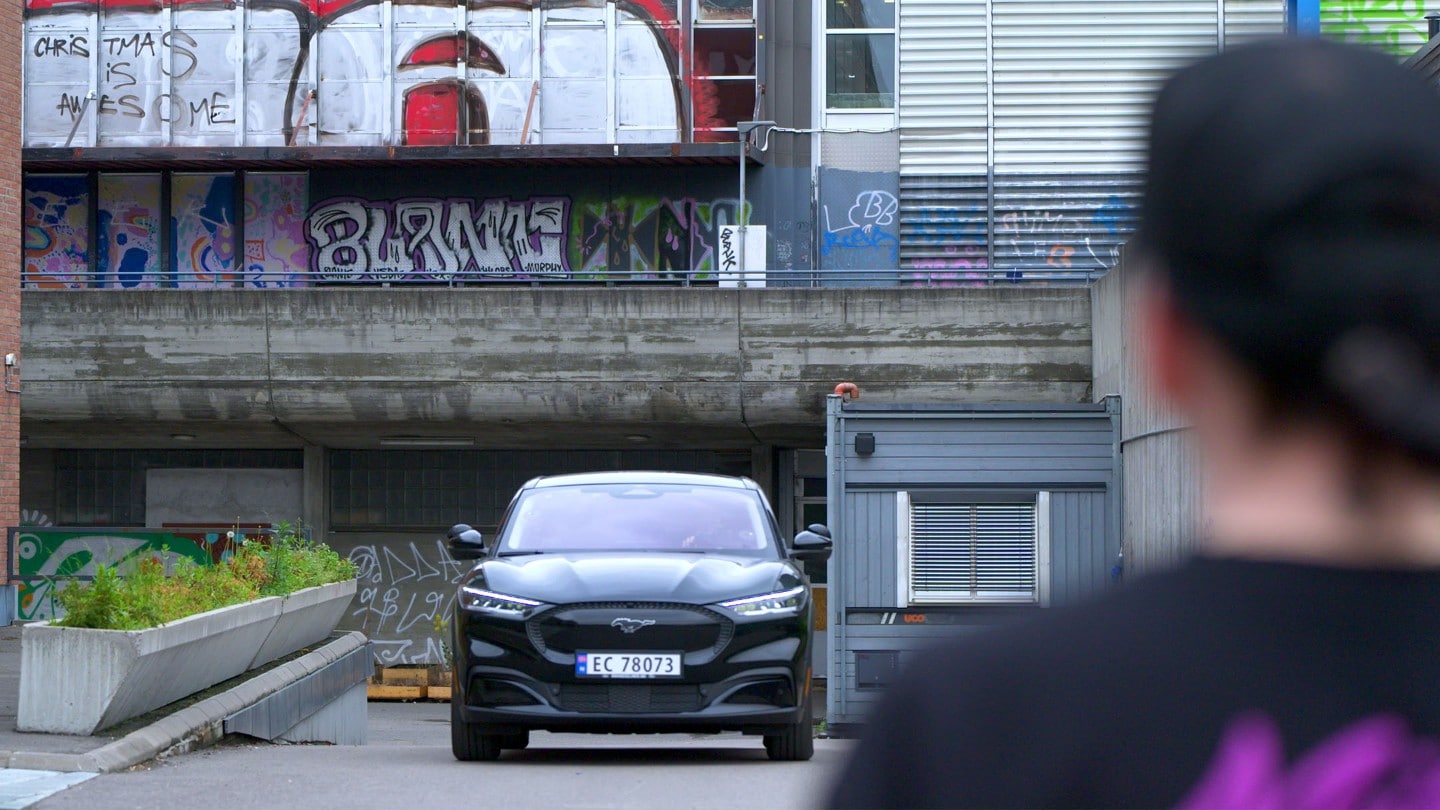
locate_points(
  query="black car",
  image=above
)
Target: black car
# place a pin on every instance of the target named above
(634, 603)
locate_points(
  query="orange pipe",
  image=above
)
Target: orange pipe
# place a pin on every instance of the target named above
(848, 390)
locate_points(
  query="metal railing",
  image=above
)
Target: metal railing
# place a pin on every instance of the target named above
(767, 278)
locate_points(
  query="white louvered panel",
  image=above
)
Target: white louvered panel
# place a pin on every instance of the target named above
(943, 87)
(1073, 80)
(1247, 20)
(973, 552)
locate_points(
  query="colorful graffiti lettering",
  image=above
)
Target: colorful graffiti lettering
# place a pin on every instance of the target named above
(513, 71)
(1397, 26)
(437, 239)
(45, 559)
(458, 239)
(651, 238)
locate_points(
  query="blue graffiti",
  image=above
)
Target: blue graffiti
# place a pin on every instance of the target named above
(861, 238)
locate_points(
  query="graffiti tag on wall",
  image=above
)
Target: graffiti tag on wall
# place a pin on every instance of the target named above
(402, 589)
(44, 558)
(202, 231)
(1397, 26)
(359, 72)
(447, 239)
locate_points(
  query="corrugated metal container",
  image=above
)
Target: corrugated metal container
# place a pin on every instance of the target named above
(1062, 459)
(1023, 125)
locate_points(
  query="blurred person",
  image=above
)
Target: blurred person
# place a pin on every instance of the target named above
(1291, 229)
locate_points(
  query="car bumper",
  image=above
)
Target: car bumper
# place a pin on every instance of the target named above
(716, 707)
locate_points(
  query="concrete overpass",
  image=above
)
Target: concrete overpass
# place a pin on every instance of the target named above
(526, 367)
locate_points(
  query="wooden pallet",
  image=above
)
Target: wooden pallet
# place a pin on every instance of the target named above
(418, 682)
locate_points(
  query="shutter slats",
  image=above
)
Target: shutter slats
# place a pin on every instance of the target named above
(979, 552)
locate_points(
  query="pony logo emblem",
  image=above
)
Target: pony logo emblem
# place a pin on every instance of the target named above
(629, 626)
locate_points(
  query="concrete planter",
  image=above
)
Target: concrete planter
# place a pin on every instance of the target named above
(78, 680)
(305, 617)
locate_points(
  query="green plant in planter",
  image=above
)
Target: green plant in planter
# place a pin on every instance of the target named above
(146, 596)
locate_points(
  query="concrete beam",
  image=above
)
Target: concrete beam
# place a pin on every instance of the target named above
(333, 366)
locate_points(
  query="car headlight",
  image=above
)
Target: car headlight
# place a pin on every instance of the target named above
(769, 604)
(496, 604)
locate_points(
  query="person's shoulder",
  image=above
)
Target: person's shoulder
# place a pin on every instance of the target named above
(1099, 631)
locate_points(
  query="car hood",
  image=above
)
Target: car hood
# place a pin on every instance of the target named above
(604, 577)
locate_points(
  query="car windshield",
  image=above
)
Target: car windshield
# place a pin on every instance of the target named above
(638, 517)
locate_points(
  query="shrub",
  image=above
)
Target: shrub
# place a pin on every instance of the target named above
(148, 597)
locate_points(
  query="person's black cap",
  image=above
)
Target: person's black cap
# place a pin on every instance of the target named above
(1293, 203)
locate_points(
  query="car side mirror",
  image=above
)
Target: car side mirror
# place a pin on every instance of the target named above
(820, 529)
(811, 545)
(465, 542)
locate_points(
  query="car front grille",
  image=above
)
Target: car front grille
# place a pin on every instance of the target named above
(657, 626)
(630, 698)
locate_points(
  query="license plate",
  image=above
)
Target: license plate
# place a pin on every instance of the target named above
(627, 665)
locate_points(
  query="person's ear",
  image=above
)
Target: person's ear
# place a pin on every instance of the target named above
(1165, 338)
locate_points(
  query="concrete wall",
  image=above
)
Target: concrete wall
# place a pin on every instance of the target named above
(523, 367)
(191, 497)
(406, 580)
(1161, 512)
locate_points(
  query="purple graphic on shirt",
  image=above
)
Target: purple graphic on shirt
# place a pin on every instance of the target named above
(1373, 763)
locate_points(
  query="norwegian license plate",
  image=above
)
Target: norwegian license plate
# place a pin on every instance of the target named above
(627, 665)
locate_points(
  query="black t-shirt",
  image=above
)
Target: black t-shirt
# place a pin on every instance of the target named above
(1222, 683)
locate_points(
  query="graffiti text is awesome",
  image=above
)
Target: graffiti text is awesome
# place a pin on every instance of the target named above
(355, 240)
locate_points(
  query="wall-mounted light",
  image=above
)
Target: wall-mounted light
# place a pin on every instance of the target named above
(864, 444)
(427, 441)
(183, 437)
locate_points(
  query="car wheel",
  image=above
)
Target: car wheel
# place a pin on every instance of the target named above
(466, 741)
(518, 741)
(796, 743)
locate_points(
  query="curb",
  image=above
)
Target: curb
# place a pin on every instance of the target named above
(191, 728)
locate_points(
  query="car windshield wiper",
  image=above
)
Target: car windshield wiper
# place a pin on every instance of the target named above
(518, 553)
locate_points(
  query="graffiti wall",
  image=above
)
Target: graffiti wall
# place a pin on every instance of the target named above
(860, 223)
(958, 231)
(130, 226)
(404, 584)
(42, 556)
(1397, 26)
(57, 230)
(435, 227)
(392, 72)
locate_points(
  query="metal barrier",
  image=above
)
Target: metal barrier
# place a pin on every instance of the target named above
(879, 277)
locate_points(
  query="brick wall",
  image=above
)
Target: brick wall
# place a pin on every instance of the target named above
(11, 50)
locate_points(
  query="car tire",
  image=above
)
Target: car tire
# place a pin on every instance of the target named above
(796, 743)
(518, 741)
(466, 741)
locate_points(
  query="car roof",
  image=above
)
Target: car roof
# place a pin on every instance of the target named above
(642, 477)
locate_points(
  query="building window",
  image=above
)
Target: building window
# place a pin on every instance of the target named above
(107, 487)
(970, 551)
(860, 54)
(435, 489)
(723, 63)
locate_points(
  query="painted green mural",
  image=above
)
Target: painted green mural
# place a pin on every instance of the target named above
(1397, 26)
(44, 558)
